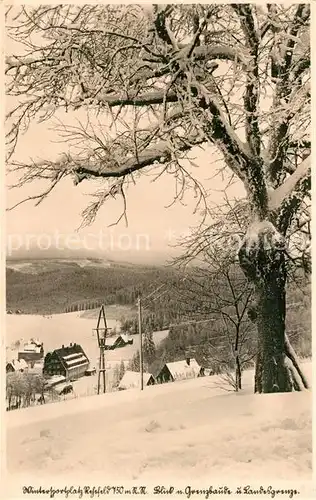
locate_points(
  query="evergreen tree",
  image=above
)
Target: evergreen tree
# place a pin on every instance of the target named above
(149, 348)
(122, 370)
(134, 364)
(116, 376)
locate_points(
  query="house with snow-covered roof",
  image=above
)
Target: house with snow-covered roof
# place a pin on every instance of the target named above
(131, 380)
(179, 370)
(32, 352)
(16, 365)
(116, 342)
(69, 361)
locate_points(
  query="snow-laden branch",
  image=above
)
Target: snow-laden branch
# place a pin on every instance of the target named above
(279, 195)
(247, 167)
(251, 94)
(136, 99)
(107, 167)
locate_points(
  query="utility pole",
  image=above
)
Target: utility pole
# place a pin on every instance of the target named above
(101, 333)
(139, 304)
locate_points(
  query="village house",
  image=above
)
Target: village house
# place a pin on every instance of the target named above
(179, 370)
(70, 361)
(131, 380)
(16, 365)
(117, 342)
(32, 352)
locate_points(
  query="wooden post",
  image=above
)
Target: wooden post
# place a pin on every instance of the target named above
(141, 343)
(101, 370)
(101, 343)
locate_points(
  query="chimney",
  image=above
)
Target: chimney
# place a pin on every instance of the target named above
(188, 360)
(63, 347)
(70, 344)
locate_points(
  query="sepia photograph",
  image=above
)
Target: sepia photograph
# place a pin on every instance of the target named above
(158, 337)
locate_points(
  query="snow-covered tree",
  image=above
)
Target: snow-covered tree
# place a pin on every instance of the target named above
(215, 289)
(122, 370)
(171, 78)
(134, 363)
(149, 348)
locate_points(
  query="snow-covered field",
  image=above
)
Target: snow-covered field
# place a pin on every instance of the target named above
(183, 432)
(60, 329)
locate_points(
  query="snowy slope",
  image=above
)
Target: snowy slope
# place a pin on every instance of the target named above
(59, 329)
(185, 431)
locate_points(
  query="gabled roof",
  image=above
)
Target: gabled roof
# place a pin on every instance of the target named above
(131, 380)
(17, 365)
(125, 337)
(181, 369)
(110, 341)
(71, 356)
(30, 348)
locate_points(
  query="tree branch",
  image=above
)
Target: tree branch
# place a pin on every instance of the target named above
(280, 194)
(251, 95)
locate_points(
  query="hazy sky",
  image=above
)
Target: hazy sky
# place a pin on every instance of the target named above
(152, 227)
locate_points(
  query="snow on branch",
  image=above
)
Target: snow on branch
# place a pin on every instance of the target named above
(106, 166)
(280, 194)
(136, 99)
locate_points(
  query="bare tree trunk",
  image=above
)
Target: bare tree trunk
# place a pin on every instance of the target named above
(271, 329)
(258, 371)
(264, 264)
(238, 374)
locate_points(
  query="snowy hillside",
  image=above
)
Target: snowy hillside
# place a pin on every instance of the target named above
(59, 329)
(184, 431)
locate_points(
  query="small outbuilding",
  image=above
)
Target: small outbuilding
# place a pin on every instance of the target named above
(131, 380)
(90, 371)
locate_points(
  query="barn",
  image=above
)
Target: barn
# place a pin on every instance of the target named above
(179, 370)
(131, 380)
(70, 361)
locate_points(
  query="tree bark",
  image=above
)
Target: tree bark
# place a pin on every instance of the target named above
(258, 371)
(238, 374)
(262, 260)
(271, 331)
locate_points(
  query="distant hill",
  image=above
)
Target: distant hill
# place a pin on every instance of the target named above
(47, 286)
